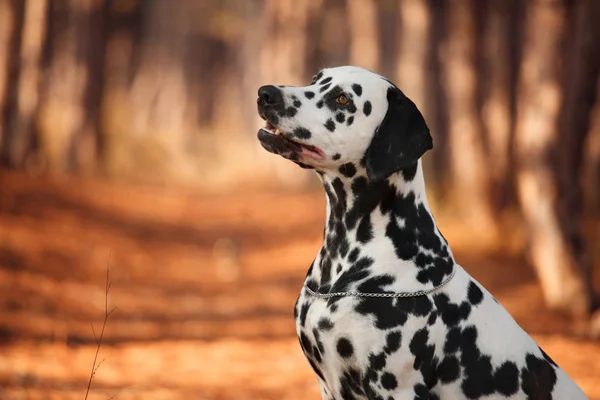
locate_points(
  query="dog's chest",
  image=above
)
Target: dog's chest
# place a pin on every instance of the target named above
(322, 323)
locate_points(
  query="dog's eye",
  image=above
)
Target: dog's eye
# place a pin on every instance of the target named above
(342, 99)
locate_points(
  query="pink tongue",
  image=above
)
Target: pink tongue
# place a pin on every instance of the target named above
(310, 153)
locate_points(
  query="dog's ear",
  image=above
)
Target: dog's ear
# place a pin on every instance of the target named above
(401, 139)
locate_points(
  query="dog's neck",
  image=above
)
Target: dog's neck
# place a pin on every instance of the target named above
(379, 236)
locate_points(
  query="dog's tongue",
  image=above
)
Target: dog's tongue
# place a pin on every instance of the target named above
(310, 153)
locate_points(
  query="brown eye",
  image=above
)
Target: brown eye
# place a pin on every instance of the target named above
(342, 99)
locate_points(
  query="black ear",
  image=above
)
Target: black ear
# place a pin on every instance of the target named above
(401, 139)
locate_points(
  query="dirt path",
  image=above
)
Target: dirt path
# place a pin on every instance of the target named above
(204, 287)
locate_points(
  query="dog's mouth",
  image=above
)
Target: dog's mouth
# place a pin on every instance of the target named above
(278, 142)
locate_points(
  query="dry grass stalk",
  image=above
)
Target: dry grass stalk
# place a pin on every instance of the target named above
(96, 364)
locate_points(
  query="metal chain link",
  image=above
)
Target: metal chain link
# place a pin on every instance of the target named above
(401, 294)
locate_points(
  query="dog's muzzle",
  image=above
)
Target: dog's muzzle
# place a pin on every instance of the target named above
(271, 105)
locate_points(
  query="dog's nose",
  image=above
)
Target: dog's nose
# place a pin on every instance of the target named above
(269, 95)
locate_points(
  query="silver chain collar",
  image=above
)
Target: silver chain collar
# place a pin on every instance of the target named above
(392, 295)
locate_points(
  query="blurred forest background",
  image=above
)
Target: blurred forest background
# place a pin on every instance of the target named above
(129, 126)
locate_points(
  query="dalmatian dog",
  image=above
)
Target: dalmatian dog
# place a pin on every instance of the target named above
(385, 312)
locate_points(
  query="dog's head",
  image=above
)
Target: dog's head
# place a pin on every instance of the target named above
(347, 118)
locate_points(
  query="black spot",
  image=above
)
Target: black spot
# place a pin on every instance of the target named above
(336, 156)
(344, 246)
(448, 370)
(325, 81)
(290, 112)
(474, 294)
(324, 88)
(421, 392)
(330, 125)
(302, 133)
(306, 344)
(316, 369)
(354, 254)
(317, 77)
(272, 116)
(303, 313)
(538, 378)
(320, 104)
(506, 379)
(376, 283)
(350, 121)
(296, 309)
(464, 310)
(386, 315)
(320, 348)
(325, 324)
(377, 361)
(432, 318)
(367, 108)
(350, 385)
(477, 367)
(317, 355)
(325, 270)
(364, 233)
(388, 381)
(345, 348)
(312, 283)
(309, 95)
(423, 260)
(340, 117)
(339, 268)
(310, 269)
(419, 341)
(348, 170)
(392, 342)
(297, 103)
(449, 311)
(357, 89)
(358, 271)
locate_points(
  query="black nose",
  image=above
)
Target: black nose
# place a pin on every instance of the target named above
(269, 95)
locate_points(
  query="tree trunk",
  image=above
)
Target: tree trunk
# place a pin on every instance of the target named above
(364, 36)
(471, 183)
(388, 26)
(248, 69)
(554, 258)
(592, 162)
(157, 113)
(63, 108)
(437, 96)
(6, 28)
(496, 113)
(283, 51)
(34, 30)
(411, 63)
(159, 83)
(580, 94)
(11, 24)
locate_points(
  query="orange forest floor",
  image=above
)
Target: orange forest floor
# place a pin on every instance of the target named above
(203, 288)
